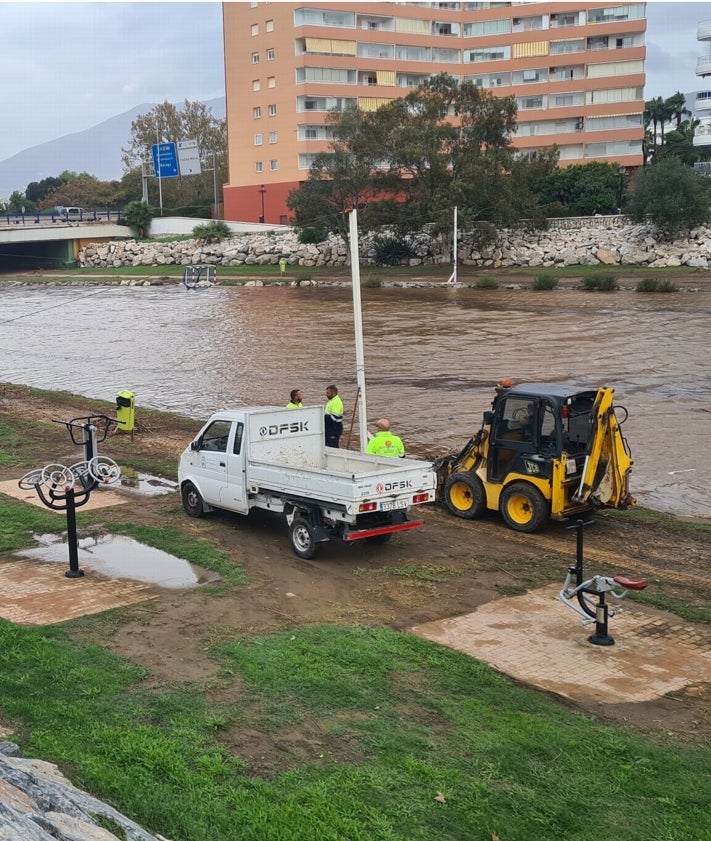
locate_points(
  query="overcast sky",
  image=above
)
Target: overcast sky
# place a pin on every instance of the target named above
(64, 67)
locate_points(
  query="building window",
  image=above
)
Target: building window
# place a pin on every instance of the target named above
(272, 110)
(269, 26)
(257, 139)
(270, 54)
(256, 112)
(256, 84)
(255, 58)
(271, 81)
(255, 29)
(273, 164)
(258, 166)
(272, 137)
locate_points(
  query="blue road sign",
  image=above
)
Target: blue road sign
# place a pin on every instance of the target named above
(165, 160)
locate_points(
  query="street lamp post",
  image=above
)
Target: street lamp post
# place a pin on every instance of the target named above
(262, 191)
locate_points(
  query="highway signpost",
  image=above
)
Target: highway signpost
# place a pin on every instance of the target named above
(189, 157)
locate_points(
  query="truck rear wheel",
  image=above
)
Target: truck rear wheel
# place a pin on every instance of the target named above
(464, 495)
(523, 507)
(192, 501)
(301, 535)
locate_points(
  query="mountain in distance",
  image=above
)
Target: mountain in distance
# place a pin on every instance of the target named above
(96, 150)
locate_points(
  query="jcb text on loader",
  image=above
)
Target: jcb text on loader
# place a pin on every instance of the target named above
(544, 452)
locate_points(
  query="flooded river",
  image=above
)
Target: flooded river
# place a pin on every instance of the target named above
(432, 356)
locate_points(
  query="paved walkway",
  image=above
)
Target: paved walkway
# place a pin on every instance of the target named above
(538, 640)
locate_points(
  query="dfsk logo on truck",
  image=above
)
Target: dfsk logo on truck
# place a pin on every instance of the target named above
(282, 428)
(402, 485)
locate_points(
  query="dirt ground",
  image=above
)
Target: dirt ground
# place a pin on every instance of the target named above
(448, 568)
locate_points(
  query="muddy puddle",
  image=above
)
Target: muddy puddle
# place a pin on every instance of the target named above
(117, 556)
(432, 356)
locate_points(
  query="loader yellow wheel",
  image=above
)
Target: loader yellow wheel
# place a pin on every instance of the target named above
(464, 495)
(523, 507)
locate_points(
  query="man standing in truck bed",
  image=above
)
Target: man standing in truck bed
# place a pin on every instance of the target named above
(334, 417)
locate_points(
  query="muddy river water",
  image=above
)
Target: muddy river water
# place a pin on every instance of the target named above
(432, 357)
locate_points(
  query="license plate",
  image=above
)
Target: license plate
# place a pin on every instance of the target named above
(393, 506)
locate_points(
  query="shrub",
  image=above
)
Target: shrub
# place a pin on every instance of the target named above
(486, 281)
(138, 215)
(483, 234)
(656, 284)
(372, 281)
(390, 251)
(545, 281)
(600, 283)
(212, 231)
(312, 235)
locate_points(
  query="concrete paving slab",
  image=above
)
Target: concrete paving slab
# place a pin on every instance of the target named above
(99, 498)
(537, 639)
(40, 594)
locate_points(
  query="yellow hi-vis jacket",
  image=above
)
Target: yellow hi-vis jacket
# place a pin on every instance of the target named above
(385, 444)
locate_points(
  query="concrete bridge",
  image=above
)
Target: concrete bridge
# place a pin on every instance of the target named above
(30, 241)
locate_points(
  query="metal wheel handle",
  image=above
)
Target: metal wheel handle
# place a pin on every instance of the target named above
(104, 470)
(56, 475)
(30, 480)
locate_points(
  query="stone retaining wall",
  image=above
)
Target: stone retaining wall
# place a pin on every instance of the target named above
(605, 240)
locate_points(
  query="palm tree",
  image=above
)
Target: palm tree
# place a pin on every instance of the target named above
(677, 107)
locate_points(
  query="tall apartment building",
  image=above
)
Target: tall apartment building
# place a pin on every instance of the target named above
(576, 70)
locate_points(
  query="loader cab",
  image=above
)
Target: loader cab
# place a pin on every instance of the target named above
(533, 425)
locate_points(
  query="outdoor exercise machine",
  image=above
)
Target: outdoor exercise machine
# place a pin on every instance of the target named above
(591, 594)
(68, 488)
(199, 277)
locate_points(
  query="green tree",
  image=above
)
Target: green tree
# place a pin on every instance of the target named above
(411, 161)
(584, 188)
(671, 195)
(84, 191)
(37, 190)
(19, 203)
(166, 122)
(138, 216)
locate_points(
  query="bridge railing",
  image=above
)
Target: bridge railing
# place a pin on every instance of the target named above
(83, 217)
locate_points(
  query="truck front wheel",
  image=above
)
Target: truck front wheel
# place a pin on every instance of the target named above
(192, 501)
(523, 507)
(301, 535)
(464, 495)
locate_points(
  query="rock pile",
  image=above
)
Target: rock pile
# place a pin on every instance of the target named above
(37, 803)
(604, 240)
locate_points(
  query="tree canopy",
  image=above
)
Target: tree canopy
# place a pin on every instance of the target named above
(672, 195)
(412, 160)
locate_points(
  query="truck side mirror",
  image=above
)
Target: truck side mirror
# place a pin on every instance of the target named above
(195, 446)
(488, 418)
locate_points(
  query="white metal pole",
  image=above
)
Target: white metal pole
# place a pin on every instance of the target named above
(160, 185)
(453, 276)
(358, 327)
(214, 183)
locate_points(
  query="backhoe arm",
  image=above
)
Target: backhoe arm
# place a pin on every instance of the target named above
(605, 479)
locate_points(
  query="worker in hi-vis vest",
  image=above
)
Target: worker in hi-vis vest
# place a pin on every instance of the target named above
(384, 443)
(333, 417)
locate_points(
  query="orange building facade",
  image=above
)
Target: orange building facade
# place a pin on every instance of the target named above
(576, 70)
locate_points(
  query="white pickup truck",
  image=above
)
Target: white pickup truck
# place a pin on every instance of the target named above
(276, 459)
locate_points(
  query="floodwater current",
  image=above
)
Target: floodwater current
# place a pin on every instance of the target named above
(432, 356)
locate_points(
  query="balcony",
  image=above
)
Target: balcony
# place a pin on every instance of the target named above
(703, 101)
(703, 66)
(703, 33)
